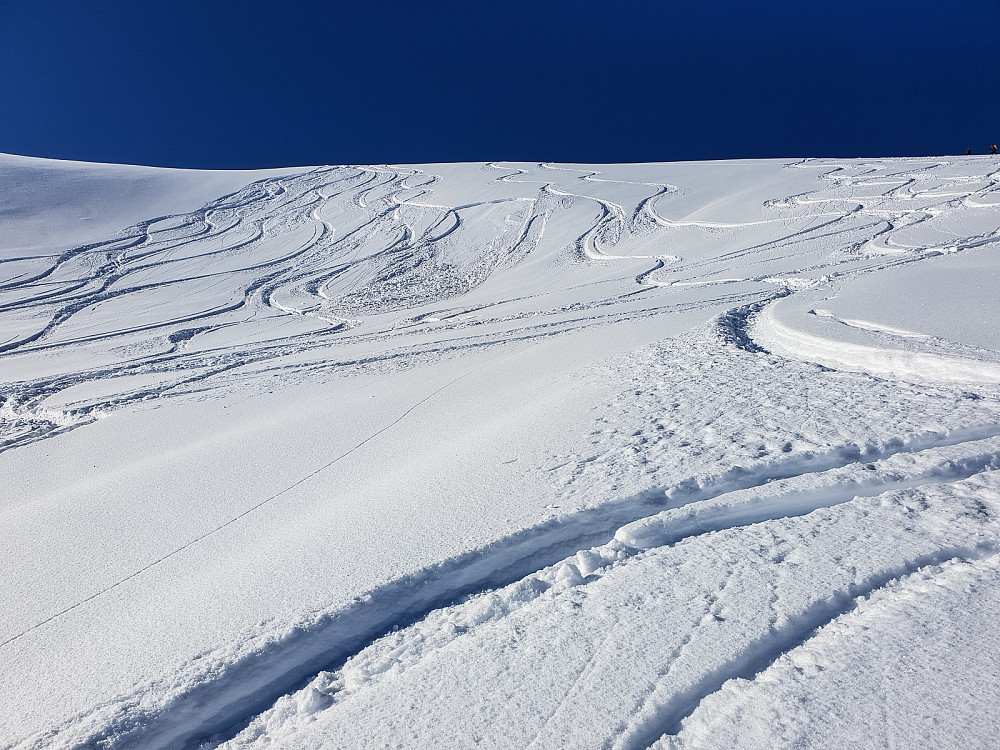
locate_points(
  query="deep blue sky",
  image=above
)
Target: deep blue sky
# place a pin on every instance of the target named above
(220, 83)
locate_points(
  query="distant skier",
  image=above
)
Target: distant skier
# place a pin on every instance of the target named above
(993, 149)
(968, 151)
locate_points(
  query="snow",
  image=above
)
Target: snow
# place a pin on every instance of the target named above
(48, 206)
(651, 455)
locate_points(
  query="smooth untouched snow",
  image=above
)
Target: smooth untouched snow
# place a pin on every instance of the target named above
(692, 455)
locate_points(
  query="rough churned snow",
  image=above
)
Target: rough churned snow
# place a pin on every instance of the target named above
(692, 455)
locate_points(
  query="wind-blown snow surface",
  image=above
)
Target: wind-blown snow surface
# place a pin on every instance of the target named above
(508, 455)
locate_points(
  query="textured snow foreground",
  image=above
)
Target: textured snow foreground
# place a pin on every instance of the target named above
(501, 455)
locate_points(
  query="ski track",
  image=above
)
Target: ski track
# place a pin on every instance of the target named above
(658, 717)
(661, 720)
(373, 244)
(224, 705)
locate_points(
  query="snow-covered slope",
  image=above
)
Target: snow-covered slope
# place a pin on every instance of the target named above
(510, 455)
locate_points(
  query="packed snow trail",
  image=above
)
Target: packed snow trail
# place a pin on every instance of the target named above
(385, 430)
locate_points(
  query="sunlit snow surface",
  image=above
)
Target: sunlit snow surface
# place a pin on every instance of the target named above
(503, 455)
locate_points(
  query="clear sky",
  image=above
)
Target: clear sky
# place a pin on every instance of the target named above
(221, 83)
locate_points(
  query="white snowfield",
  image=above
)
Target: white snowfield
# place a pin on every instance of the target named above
(695, 455)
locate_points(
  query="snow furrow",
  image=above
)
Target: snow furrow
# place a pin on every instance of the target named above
(659, 720)
(716, 512)
(558, 555)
